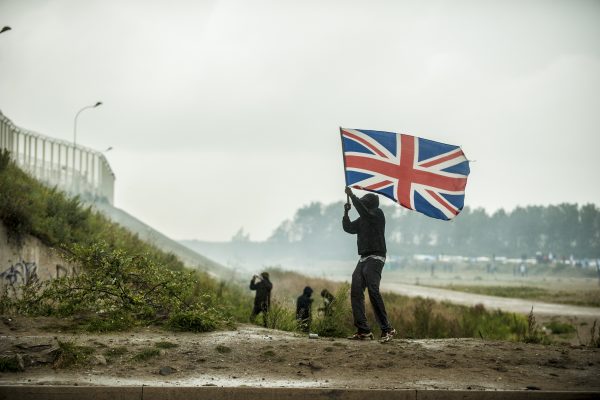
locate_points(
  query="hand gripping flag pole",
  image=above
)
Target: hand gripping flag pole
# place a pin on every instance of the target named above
(419, 174)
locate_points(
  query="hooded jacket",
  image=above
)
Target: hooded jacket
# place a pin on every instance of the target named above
(263, 291)
(369, 226)
(304, 304)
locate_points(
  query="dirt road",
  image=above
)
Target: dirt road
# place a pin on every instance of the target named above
(491, 302)
(257, 357)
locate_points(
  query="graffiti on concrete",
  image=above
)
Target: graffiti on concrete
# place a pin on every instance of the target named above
(21, 273)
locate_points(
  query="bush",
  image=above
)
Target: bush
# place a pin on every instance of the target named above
(561, 328)
(339, 321)
(281, 317)
(114, 284)
(198, 320)
(533, 334)
(70, 354)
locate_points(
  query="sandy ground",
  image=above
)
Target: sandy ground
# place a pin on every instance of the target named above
(253, 356)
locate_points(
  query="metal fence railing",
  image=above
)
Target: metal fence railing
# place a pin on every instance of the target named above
(75, 169)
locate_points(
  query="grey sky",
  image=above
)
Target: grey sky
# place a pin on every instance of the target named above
(225, 114)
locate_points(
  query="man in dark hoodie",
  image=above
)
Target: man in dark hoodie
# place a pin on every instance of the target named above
(262, 300)
(304, 309)
(370, 230)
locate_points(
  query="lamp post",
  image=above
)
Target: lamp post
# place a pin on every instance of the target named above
(98, 103)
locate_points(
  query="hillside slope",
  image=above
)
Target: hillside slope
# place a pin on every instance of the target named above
(150, 235)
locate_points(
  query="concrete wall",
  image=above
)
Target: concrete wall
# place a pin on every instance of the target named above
(29, 262)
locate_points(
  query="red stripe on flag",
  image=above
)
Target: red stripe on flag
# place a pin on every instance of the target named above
(379, 185)
(455, 154)
(442, 202)
(405, 174)
(364, 142)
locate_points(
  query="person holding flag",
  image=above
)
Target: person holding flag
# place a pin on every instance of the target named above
(419, 174)
(370, 230)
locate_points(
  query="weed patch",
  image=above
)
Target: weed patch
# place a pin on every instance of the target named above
(533, 333)
(165, 345)
(70, 354)
(146, 354)
(114, 352)
(561, 328)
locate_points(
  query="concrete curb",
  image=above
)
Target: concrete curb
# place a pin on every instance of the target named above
(246, 393)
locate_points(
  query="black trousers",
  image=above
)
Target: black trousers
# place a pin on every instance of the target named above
(368, 275)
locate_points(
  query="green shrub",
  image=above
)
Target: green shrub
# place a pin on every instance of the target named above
(120, 286)
(197, 320)
(533, 333)
(561, 328)
(281, 317)
(338, 323)
(70, 354)
(108, 323)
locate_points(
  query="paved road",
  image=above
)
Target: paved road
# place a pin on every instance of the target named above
(491, 302)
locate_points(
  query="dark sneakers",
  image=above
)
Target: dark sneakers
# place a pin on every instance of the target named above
(387, 336)
(361, 336)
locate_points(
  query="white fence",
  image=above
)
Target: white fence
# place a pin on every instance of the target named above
(75, 169)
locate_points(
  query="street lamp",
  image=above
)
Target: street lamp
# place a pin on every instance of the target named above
(98, 103)
(4, 29)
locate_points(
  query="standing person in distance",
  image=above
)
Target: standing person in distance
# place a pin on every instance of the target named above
(370, 230)
(262, 300)
(328, 299)
(304, 309)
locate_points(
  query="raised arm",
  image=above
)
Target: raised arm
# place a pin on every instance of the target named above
(360, 208)
(349, 226)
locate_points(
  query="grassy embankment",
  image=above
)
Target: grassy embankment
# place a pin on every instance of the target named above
(125, 282)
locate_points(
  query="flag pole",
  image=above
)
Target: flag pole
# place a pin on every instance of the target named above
(344, 160)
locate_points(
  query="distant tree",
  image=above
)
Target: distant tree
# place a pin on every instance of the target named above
(562, 229)
(241, 236)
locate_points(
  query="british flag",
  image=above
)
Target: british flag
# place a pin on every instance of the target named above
(419, 174)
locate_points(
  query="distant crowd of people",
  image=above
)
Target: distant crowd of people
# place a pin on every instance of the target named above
(369, 229)
(262, 302)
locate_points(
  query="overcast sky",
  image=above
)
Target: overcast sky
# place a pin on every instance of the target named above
(225, 114)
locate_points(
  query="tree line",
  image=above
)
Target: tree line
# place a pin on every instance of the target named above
(563, 230)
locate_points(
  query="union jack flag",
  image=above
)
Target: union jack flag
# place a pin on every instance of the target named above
(419, 174)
